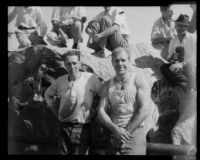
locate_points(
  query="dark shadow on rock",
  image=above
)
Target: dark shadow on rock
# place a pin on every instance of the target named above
(150, 62)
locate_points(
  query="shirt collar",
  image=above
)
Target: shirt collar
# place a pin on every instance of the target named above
(162, 20)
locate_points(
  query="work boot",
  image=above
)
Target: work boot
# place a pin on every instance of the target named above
(76, 46)
(99, 53)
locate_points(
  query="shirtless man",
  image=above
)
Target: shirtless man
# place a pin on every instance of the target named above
(129, 97)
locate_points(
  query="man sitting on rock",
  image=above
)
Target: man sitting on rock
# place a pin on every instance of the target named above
(67, 23)
(109, 30)
(163, 29)
(29, 20)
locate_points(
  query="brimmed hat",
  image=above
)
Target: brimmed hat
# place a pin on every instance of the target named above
(183, 19)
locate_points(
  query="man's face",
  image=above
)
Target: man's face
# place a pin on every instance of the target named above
(181, 29)
(107, 8)
(167, 14)
(120, 62)
(72, 65)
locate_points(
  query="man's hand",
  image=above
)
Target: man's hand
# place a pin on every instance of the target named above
(176, 67)
(122, 135)
(96, 37)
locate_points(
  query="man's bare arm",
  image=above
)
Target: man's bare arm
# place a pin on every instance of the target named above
(50, 100)
(143, 99)
(101, 110)
(120, 133)
(109, 31)
(161, 40)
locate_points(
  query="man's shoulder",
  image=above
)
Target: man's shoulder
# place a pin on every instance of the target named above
(61, 78)
(158, 21)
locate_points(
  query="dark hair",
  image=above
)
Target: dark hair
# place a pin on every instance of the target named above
(71, 53)
(164, 8)
(120, 49)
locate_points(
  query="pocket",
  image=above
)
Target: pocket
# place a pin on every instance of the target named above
(76, 135)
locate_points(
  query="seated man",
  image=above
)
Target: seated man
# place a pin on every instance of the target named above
(67, 23)
(29, 20)
(109, 30)
(163, 29)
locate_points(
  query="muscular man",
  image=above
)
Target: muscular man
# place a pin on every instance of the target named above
(108, 29)
(67, 23)
(76, 91)
(128, 97)
(29, 20)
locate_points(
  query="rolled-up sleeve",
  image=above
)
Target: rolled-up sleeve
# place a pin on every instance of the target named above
(50, 92)
(155, 33)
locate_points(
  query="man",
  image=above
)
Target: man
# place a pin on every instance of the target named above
(67, 23)
(29, 20)
(163, 29)
(128, 97)
(109, 30)
(188, 42)
(76, 95)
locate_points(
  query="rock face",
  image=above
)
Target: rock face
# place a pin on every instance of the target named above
(31, 71)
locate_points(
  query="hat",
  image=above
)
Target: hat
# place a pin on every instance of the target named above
(183, 19)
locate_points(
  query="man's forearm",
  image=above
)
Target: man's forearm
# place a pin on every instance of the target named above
(106, 121)
(136, 120)
(109, 31)
(161, 40)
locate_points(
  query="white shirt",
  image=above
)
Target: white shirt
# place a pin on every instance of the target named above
(189, 44)
(162, 30)
(62, 13)
(29, 17)
(75, 100)
(117, 15)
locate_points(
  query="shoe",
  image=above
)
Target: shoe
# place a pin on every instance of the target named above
(99, 53)
(62, 44)
(76, 46)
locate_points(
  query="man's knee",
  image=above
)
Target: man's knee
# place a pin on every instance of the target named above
(78, 25)
(52, 38)
(106, 20)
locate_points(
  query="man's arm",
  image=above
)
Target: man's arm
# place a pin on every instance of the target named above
(143, 100)
(109, 31)
(120, 133)
(49, 97)
(161, 40)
